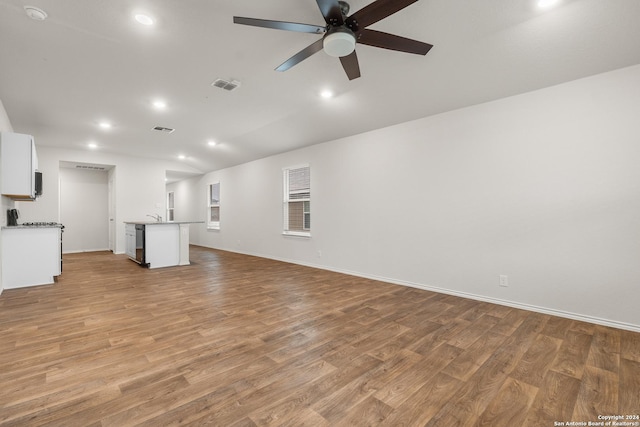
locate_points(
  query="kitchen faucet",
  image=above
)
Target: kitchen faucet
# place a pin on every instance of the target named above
(157, 217)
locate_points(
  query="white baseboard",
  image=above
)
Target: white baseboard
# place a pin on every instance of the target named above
(522, 306)
(514, 304)
(85, 250)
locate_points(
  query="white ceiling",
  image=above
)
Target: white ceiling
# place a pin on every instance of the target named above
(90, 61)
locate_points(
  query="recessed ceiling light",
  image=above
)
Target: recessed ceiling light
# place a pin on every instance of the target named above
(105, 125)
(159, 104)
(35, 13)
(182, 157)
(211, 143)
(545, 4)
(92, 145)
(326, 94)
(144, 19)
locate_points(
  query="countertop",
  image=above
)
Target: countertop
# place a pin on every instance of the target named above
(20, 226)
(163, 222)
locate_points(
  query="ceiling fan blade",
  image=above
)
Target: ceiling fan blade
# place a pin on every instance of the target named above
(301, 56)
(393, 42)
(376, 11)
(279, 25)
(350, 65)
(331, 11)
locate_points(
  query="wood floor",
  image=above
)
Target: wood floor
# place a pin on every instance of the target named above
(234, 340)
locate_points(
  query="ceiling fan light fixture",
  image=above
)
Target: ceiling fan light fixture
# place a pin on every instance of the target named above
(339, 43)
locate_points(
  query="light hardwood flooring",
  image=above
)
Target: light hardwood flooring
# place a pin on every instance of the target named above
(234, 340)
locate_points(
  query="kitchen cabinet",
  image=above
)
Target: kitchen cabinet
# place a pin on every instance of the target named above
(31, 255)
(161, 244)
(18, 164)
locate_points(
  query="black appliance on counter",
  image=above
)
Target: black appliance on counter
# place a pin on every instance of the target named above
(12, 217)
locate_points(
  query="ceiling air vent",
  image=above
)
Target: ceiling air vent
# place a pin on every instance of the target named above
(163, 129)
(226, 84)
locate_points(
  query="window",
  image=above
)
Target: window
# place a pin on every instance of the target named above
(297, 201)
(170, 206)
(213, 206)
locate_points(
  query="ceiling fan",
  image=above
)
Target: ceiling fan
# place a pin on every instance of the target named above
(342, 32)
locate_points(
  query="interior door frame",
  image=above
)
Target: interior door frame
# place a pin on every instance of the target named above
(112, 208)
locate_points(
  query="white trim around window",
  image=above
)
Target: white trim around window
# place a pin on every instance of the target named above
(170, 206)
(213, 206)
(296, 206)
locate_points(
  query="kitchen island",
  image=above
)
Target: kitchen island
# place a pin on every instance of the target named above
(158, 244)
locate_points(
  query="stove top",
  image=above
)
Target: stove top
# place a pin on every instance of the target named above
(42, 224)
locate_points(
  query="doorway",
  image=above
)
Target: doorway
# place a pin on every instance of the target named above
(86, 206)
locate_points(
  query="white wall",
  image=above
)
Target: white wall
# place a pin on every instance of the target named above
(543, 187)
(84, 209)
(139, 186)
(5, 126)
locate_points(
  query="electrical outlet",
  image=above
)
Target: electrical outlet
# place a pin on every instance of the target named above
(319, 254)
(503, 280)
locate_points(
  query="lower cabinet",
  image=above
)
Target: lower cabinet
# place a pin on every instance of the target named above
(162, 245)
(30, 256)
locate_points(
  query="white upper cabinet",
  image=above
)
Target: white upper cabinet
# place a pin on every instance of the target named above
(18, 164)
